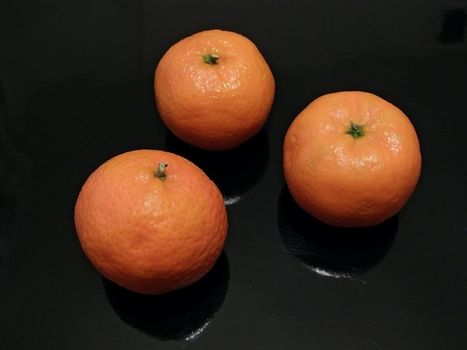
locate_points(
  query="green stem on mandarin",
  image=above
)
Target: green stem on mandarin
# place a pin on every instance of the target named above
(160, 172)
(355, 130)
(210, 58)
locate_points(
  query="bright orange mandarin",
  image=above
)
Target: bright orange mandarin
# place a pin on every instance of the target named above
(214, 89)
(351, 159)
(151, 230)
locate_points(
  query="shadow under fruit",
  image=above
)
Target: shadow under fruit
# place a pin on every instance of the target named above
(234, 171)
(328, 250)
(180, 315)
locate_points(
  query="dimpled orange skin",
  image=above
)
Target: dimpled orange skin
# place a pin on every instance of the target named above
(214, 106)
(346, 181)
(146, 234)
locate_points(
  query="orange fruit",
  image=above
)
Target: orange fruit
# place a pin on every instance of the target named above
(214, 90)
(151, 221)
(351, 159)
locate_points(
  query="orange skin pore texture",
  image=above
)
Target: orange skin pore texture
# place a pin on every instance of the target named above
(214, 106)
(346, 181)
(148, 234)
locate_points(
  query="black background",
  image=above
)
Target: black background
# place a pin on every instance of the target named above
(76, 89)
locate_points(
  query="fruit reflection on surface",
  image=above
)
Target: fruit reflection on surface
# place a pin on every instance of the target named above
(151, 229)
(180, 315)
(351, 159)
(214, 90)
(328, 250)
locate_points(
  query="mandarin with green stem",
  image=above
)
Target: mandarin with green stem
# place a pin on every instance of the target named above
(351, 159)
(213, 89)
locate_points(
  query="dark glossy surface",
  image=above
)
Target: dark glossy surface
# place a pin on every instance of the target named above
(76, 89)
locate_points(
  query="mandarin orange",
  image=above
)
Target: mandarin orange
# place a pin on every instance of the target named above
(351, 159)
(214, 90)
(151, 221)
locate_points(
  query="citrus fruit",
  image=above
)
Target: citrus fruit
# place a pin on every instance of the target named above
(214, 90)
(351, 159)
(151, 221)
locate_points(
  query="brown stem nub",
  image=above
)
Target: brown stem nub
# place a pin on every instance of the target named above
(161, 171)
